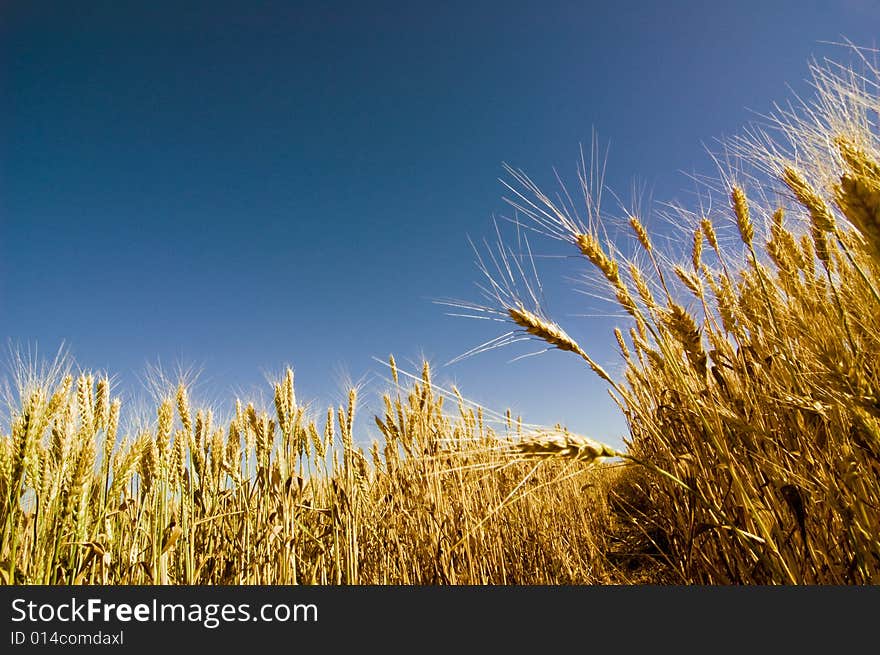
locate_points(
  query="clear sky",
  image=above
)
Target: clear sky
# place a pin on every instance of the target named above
(241, 185)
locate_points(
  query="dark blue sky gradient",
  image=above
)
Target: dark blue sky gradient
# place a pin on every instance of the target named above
(240, 185)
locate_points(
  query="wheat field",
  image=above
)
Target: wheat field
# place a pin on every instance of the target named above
(750, 386)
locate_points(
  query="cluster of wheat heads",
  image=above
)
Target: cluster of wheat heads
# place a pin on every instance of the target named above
(91, 495)
(751, 384)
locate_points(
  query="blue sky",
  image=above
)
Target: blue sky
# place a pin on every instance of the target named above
(240, 185)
